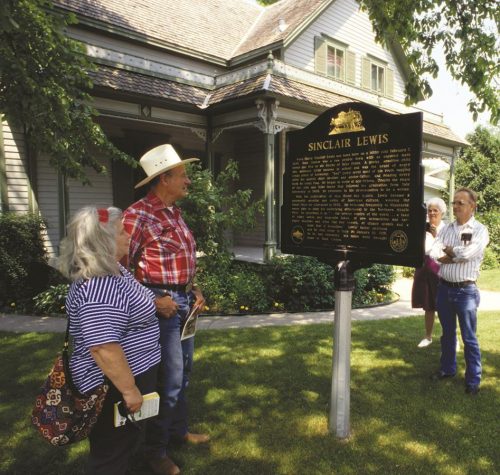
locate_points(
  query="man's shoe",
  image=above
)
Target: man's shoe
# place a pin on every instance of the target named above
(472, 390)
(164, 466)
(439, 376)
(193, 439)
(424, 343)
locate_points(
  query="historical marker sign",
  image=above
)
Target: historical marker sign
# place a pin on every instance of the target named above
(353, 187)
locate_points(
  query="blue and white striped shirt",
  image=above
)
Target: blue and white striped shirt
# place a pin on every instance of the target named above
(111, 309)
(468, 255)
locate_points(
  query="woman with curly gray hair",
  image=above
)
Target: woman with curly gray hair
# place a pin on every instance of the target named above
(114, 328)
(425, 281)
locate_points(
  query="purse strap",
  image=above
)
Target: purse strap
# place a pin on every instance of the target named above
(65, 358)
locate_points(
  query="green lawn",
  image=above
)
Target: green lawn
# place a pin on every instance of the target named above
(263, 395)
(489, 280)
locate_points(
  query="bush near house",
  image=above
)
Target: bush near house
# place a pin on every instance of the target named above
(22, 255)
(288, 283)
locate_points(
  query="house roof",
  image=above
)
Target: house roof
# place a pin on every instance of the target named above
(280, 87)
(235, 27)
(289, 14)
(211, 27)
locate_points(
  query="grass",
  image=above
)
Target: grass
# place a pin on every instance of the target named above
(263, 395)
(489, 280)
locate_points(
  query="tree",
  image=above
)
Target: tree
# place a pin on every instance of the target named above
(44, 86)
(213, 206)
(467, 31)
(479, 168)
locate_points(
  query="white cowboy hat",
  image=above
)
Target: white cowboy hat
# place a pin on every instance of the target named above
(159, 160)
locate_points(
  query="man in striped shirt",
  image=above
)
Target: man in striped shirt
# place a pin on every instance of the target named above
(163, 255)
(459, 247)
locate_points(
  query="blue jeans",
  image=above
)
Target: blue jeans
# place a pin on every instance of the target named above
(173, 379)
(462, 303)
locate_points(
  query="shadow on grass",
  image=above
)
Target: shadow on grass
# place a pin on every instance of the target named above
(263, 395)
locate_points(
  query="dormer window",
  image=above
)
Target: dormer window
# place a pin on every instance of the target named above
(335, 62)
(333, 59)
(378, 77)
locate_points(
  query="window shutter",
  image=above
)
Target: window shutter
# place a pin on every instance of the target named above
(389, 82)
(320, 49)
(366, 81)
(350, 67)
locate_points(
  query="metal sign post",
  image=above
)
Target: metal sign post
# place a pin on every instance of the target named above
(339, 422)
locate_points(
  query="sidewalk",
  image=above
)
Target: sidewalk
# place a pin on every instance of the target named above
(401, 308)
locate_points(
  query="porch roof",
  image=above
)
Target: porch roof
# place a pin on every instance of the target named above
(278, 86)
(144, 85)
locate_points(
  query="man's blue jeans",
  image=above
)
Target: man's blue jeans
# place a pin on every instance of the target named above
(173, 379)
(459, 302)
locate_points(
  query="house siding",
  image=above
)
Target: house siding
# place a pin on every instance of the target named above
(48, 202)
(16, 169)
(99, 193)
(344, 21)
(143, 52)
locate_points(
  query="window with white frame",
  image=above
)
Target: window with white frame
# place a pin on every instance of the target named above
(378, 77)
(334, 60)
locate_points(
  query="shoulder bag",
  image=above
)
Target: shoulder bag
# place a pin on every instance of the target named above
(62, 414)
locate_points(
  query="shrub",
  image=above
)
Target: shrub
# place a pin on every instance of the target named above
(408, 272)
(491, 220)
(301, 283)
(23, 261)
(51, 300)
(380, 277)
(212, 207)
(490, 260)
(372, 284)
(232, 287)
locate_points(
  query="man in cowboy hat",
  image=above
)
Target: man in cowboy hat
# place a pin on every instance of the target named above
(162, 254)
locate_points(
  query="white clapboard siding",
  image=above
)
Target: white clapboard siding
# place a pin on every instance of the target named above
(18, 189)
(48, 203)
(113, 44)
(344, 22)
(99, 193)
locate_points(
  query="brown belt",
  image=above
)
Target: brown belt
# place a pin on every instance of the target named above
(465, 283)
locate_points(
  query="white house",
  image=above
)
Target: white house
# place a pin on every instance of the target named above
(217, 79)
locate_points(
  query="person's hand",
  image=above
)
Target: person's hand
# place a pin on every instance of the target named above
(446, 260)
(448, 250)
(166, 306)
(133, 399)
(200, 300)
(433, 230)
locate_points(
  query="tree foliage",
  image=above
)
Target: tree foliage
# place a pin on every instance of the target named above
(213, 207)
(468, 32)
(43, 87)
(479, 168)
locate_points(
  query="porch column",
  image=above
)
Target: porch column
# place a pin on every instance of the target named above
(267, 110)
(4, 195)
(451, 184)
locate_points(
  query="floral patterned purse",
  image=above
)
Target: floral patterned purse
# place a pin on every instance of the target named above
(62, 414)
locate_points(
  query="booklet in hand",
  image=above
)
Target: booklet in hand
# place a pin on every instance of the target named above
(189, 328)
(150, 408)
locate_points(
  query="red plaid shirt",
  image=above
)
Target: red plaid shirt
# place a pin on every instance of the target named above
(162, 249)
